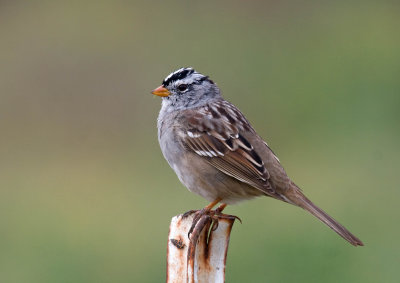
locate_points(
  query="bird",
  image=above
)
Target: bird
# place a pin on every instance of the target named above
(217, 154)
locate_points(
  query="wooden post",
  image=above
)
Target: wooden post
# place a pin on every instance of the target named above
(197, 261)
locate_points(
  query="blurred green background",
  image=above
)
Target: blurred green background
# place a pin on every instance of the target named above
(85, 194)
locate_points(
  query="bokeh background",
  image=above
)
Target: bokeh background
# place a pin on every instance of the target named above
(85, 194)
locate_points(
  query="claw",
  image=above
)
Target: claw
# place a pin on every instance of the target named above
(219, 214)
(227, 216)
(203, 222)
(198, 227)
(188, 213)
(205, 213)
(196, 218)
(215, 224)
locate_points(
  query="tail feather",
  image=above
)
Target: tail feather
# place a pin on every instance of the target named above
(301, 200)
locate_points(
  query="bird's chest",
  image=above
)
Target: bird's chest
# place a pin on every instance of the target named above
(169, 144)
(186, 165)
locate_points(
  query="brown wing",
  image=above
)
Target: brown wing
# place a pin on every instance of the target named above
(213, 136)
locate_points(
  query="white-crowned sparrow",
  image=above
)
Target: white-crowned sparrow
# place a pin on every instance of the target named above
(217, 154)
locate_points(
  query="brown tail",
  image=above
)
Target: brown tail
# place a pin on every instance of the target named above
(301, 200)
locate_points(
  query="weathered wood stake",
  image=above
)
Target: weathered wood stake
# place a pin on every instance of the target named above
(198, 261)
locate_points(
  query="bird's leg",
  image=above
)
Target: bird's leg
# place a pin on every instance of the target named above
(207, 208)
(219, 215)
(220, 208)
(199, 214)
(207, 216)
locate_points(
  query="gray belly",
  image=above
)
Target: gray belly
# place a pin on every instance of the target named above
(202, 178)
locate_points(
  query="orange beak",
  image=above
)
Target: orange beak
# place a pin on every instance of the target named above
(161, 91)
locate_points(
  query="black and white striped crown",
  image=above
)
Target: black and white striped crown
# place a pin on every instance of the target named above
(183, 73)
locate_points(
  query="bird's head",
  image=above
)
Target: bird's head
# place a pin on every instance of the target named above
(186, 88)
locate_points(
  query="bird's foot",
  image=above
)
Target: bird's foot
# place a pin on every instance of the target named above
(206, 218)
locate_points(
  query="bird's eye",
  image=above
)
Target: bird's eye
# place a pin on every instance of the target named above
(182, 87)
